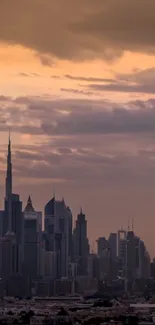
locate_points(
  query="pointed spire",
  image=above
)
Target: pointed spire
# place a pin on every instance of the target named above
(128, 224)
(9, 134)
(29, 201)
(81, 212)
(9, 170)
(54, 193)
(29, 207)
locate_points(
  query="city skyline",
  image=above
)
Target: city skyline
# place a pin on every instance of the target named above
(78, 91)
(53, 256)
(9, 195)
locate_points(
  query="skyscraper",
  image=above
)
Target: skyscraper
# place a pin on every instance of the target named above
(7, 222)
(58, 234)
(13, 216)
(112, 244)
(122, 249)
(50, 225)
(9, 252)
(104, 258)
(102, 243)
(81, 244)
(131, 251)
(8, 256)
(32, 241)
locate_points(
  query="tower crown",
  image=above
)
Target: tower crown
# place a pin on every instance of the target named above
(29, 207)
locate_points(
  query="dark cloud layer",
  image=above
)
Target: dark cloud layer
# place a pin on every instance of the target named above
(77, 91)
(126, 88)
(141, 81)
(79, 29)
(91, 79)
(38, 115)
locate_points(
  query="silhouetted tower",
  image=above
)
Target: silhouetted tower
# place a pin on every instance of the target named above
(81, 243)
(8, 191)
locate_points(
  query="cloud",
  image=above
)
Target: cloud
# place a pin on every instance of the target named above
(107, 158)
(30, 75)
(23, 74)
(89, 29)
(4, 98)
(126, 88)
(55, 77)
(77, 91)
(104, 122)
(69, 117)
(45, 60)
(89, 79)
(142, 76)
(141, 81)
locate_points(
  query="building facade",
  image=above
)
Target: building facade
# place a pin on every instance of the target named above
(32, 241)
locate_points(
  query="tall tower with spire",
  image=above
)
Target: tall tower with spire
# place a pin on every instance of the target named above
(8, 184)
(8, 188)
(13, 217)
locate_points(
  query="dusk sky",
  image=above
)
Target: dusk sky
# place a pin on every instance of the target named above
(77, 87)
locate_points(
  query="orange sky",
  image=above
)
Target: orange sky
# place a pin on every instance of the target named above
(16, 60)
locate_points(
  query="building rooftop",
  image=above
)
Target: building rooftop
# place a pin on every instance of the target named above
(29, 207)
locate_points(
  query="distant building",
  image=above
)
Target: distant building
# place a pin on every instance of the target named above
(18, 286)
(85, 285)
(12, 226)
(49, 264)
(121, 237)
(131, 251)
(144, 261)
(102, 243)
(32, 241)
(93, 266)
(58, 234)
(81, 244)
(2, 212)
(8, 256)
(112, 244)
(50, 225)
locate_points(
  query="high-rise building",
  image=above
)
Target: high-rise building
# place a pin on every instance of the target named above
(7, 222)
(144, 261)
(32, 241)
(1, 222)
(16, 223)
(81, 244)
(12, 225)
(112, 244)
(93, 266)
(58, 234)
(104, 257)
(49, 264)
(121, 236)
(102, 243)
(8, 256)
(131, 251)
